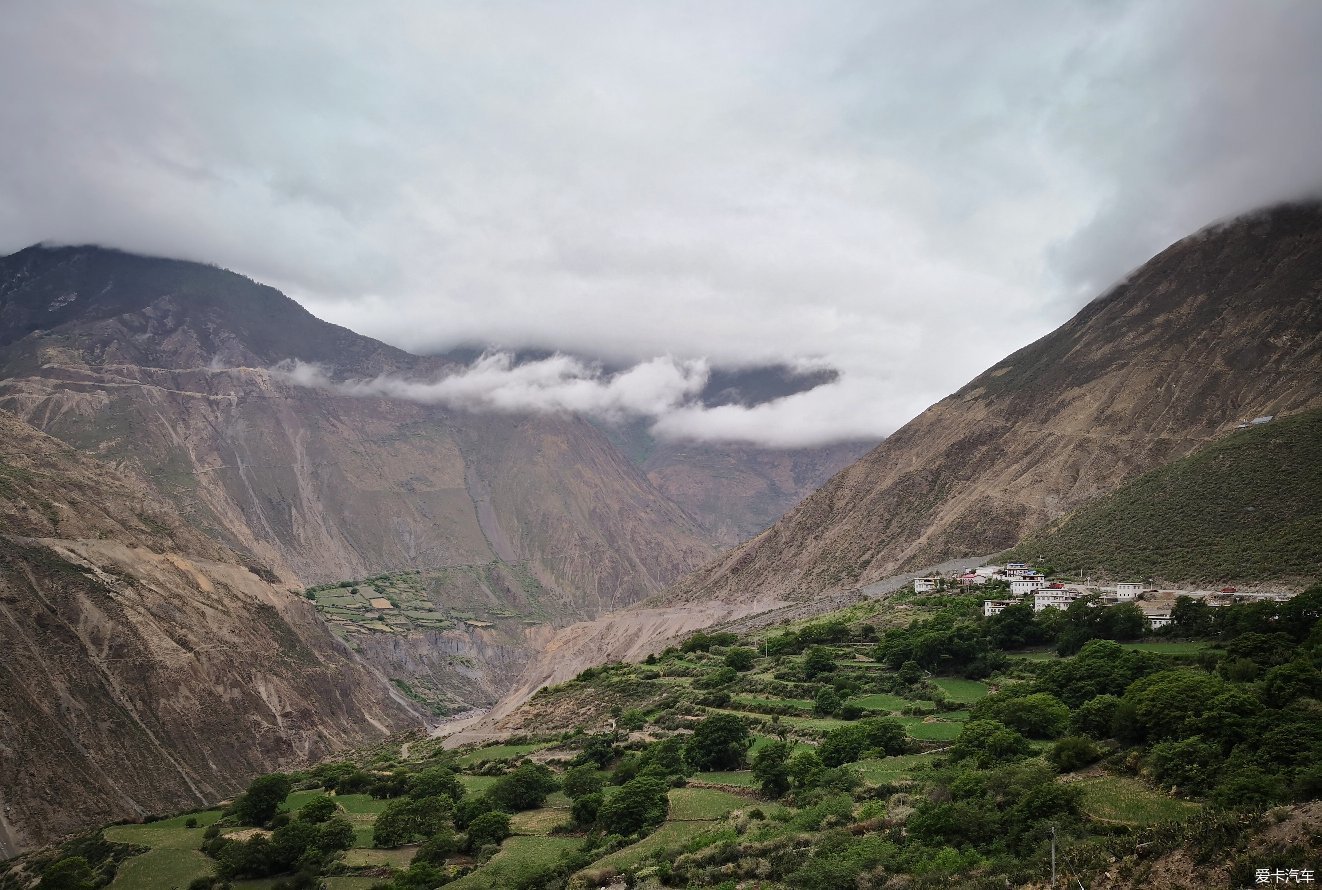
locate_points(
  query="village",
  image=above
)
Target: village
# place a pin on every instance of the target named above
(1029, 584)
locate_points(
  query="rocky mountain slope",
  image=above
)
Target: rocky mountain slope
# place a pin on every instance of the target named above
(165, 367)
(143, 667)
(1245, 509)
(1224, 325)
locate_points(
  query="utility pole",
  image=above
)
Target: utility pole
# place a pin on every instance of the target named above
(1053, 855)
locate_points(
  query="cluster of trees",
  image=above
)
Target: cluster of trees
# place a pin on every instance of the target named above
(303, 845)
(1239, 727)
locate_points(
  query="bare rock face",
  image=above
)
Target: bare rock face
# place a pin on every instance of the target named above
(143, 667)
(164, 366)
(1222, 326)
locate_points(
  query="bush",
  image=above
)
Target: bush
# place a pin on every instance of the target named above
(641, 803)
(581, 780)
(526, 788)
(259, 804)
(487, 829)
(988, 743)
(720, 742)
(740, 659)
(845, 744)
(1073, 753)
(586, 808)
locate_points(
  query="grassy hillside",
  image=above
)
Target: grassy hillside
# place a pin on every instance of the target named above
(1246, 508)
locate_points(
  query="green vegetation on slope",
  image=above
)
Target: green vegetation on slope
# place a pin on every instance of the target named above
(944, 781)
(1245, 508)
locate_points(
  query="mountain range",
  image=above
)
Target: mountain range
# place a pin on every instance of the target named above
(169, 494)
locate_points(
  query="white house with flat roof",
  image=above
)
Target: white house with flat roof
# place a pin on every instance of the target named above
(1054, 598)
(996, 607)
(924, 585)
(1125, 592)
(1021, 586)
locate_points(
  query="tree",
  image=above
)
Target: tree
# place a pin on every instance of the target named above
(434, 782)
(489, 828)
(771, 767)
(526, 788)
(581, 780)
(259, 804)
(1095, 717)
(631, 719)
(1192, 617)
(804, 768)
(1040, 715)
(406, 820)
(470, 808)
(641, 803)
(740, 659)
(438, 848)
(846, 744)
(665, 756)
(319, 809)
(988, 743)
(719, 742)
(1189, 764)
(586, 808)
(818, 661)
(826, 701)
(70, 873)
(1168, 704)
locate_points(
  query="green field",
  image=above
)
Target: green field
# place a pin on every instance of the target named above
(1128, 801)
(934, 731)
(538, 821)
(476, 784)
(670, 836)
(398, 858)
(798, 704)
(1171, 648)
(706, 803)
(172, 861)
(742, 778)
(965, 692)
(884, 701)
(501, 752)
(518, 857)
(891, 769)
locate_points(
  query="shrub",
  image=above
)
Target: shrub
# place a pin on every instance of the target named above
(720, 742)
(487, 829)
(1074, 752)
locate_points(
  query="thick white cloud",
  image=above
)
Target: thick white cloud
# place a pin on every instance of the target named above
(495, 382)
(905, 191)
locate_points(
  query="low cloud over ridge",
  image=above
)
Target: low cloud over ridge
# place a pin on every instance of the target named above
(664, 390)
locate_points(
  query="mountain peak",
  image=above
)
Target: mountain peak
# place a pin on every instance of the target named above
(159, 312)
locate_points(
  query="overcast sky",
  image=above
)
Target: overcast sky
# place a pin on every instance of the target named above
(904, 191)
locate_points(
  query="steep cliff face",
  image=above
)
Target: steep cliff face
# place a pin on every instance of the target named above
(143, 667)
(1223, 325)
(162, 366)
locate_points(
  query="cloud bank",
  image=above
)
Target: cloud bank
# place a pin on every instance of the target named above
(665, 391)
(904, 191)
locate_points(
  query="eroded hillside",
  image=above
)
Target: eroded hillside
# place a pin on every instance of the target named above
(144, 667)
(1220, 327)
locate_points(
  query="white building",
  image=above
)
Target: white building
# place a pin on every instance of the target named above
(1054, 598)
(987, 571)
(1126, 592)
(1017, 569)
(1158, 617)
(924, 585)
(1021, 586)
(996, 607)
